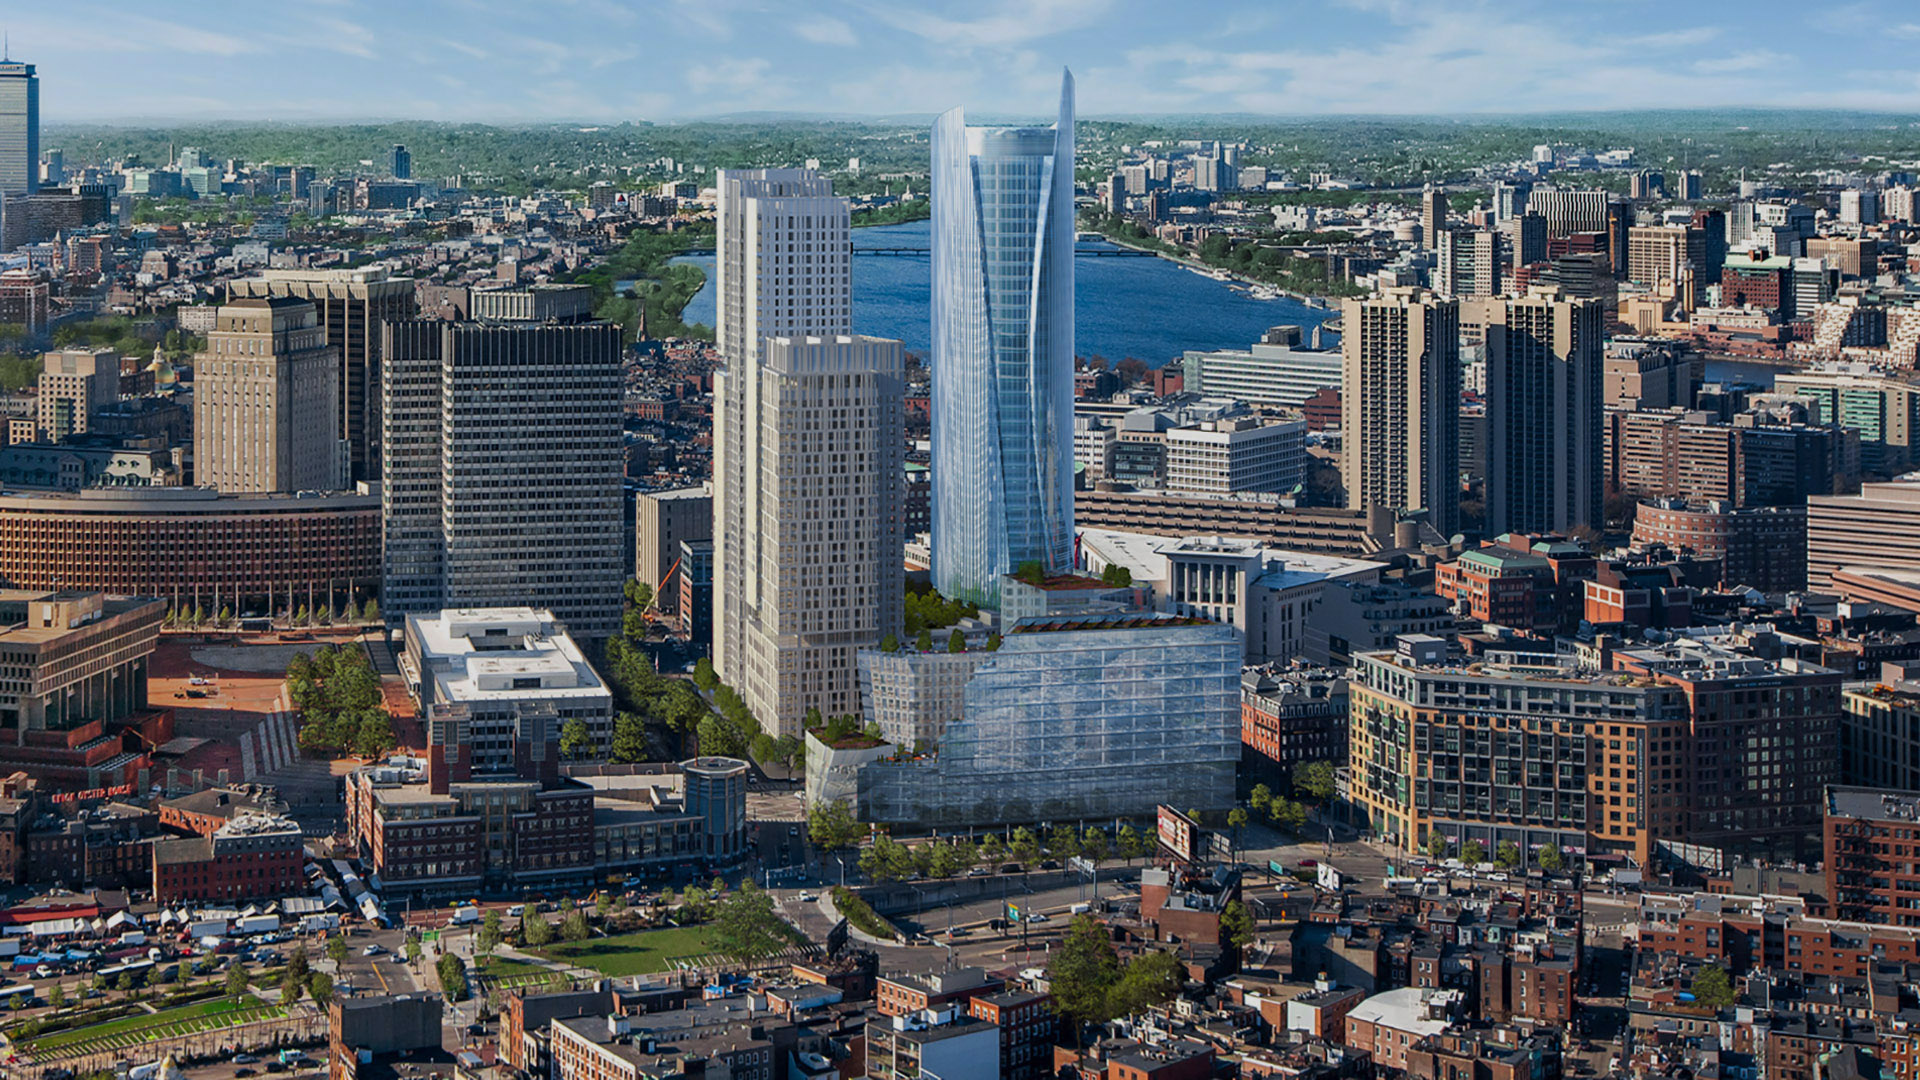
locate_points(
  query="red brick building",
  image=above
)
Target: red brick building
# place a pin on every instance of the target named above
(905, 994)
(252, 857)
(204, 813)
(1870, 838)
(1028, 1029)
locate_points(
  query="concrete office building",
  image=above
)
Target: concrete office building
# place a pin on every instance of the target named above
(782, 273)
(19, 129)
(1883, 406)
(266, 401)
(1081, 716)
(1002, 361)
(814, 573)
(1880, 730)
(1650, 373)
(1876, 530)
(1546, 431)
(1469, 264)
(503, 465)
(1352, 616)
(1400, 415)
(351, 305)
(1268, 373)
(1526, 240)
(1433, 216)
(662, 519)
(1568, 211)
(716, 794)
(73, 659)
(1242, 454)
(497, 663)
(74, 384)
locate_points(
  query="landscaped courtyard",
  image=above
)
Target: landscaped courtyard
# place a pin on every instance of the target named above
(640, 953)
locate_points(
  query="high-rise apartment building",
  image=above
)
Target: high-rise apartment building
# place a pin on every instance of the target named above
(1400, 403)
(1525, 236)
(1546, 430)
(351, 305)
(266, 401)
(1433, 216)
(19, 128)
(1002, 350)
(74, 384)
(503, 466)
(1568, 212)
(816, 574)
(1469, 263)
(808, 495)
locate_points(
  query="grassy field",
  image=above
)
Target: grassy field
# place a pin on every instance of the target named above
(134, 1030)
(634, 954)
(507, 974)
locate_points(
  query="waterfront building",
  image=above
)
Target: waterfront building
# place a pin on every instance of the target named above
(1400, 397)
(496, 663)
(1546, 433)
(350, 306)
(1240, 454)
(1268, 373)
(1002, 240)
(1085, 716)
(266, 401)
(502, 470)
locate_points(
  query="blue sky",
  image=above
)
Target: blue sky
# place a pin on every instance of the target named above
(496, 60)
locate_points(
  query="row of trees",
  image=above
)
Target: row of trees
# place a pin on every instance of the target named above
(1507, 855)
(341, 708)
(831, 827)
(197, 616)
(645, 701)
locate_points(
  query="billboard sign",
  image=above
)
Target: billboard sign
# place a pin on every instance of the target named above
(1178, 833)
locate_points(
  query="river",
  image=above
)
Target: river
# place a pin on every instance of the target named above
(1123, 306)
(1142, 307)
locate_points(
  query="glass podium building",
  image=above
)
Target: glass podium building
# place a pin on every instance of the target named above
(1002, 254)
(1078, 717)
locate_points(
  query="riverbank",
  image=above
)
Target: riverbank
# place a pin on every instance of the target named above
(1200, 264)
(641, 286)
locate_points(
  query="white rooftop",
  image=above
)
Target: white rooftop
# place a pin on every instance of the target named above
(1402, 1010)
(500, 654)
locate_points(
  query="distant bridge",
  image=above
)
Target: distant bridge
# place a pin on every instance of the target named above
(908, 252)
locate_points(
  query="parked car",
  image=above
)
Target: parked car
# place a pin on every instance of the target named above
(245, 1059)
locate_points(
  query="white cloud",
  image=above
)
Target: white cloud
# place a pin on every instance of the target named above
(1013, 23)
(825, 30)
(1751, 60)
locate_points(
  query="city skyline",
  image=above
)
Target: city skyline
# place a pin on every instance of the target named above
(595, 60)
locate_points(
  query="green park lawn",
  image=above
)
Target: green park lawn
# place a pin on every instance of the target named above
(633, 954)
(132, 1030)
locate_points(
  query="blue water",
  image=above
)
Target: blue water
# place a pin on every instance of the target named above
(1141, 307)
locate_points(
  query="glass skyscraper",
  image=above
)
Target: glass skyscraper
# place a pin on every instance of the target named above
(1002, 242)
(20, 128)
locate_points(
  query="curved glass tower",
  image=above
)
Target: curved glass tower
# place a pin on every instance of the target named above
(1002, 240)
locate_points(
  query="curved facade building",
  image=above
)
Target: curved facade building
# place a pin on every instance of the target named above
(1002, 247)
(193, 546)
